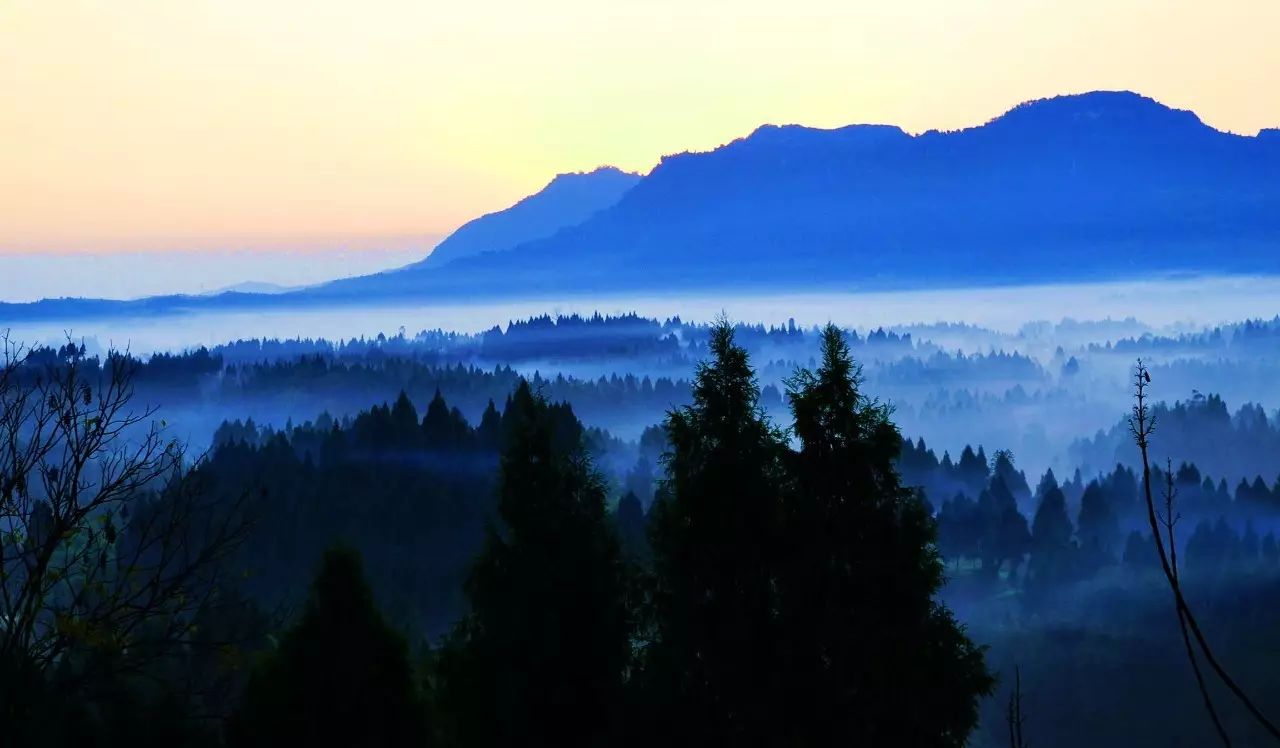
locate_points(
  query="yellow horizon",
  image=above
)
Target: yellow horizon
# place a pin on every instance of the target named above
(130, 123)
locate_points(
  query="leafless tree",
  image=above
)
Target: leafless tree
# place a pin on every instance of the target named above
(1162, 522)
(108, 544)
(1013, 712)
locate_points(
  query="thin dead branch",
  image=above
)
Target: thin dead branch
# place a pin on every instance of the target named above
(1141, 426)
(109, 544)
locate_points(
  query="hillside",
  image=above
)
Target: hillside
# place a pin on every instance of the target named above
(1095, 185)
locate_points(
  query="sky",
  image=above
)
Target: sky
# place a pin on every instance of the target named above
(216, 126)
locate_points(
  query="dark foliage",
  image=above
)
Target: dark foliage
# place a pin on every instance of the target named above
(862, 625)
(795, 589)
(341, 675)
(539, 658)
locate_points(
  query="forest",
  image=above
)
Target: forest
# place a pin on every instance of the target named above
(614, 530)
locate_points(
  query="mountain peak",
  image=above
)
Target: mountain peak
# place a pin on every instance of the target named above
(1116, 111)
(568, 199)
(802, 136)
(598, 173)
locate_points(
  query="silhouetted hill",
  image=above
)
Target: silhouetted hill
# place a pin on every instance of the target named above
(1094, 185)
(567, 200)
(1081, 187)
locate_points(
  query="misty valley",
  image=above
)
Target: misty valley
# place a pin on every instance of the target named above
(412, 461)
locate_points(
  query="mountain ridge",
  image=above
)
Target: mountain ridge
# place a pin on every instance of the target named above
(568, 199)
(1055, 178)
(1076, 187)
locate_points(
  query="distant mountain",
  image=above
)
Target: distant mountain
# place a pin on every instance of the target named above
(1084, 187)
(258, 287)
(1098, 185)
(568, 200)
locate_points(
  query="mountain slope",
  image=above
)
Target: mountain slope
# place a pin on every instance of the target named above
(567, 200)
(1083, 186)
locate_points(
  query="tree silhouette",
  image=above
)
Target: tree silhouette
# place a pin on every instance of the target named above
(1097, 527)
(871, 657)
(794, 598)
(1005, 536)
(712, 661)
(110, 546)
(540, 658)
(1051, 550)
(341, 675)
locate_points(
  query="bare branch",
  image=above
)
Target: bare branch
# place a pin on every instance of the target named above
(1013, 712)
(1141, 425)
(108, 540)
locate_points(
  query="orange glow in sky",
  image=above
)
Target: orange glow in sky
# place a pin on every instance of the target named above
(155, 124)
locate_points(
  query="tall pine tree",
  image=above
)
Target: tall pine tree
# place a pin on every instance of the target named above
(540, 658)
(716, 534)
(872, 657)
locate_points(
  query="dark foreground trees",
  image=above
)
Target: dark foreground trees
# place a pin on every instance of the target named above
(540, 657)
(110, 552)
(714, 655)
(871, 657)
(790, 601)
(340, 676)
(795, 590)
(786, 596)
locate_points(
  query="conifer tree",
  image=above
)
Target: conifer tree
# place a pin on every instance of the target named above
(1005, 536)
(539, 659)
(1097, 527)
(1051, 539)
(872, 658)
(711, 667)
(341, 675)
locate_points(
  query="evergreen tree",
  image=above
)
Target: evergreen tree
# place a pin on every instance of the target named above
(959, 528)
(639, 480)
(871, 657)
(341, 675)
(444, 428)
(630, 521)
(1098, 528)
(1051, 539)
(716, 528)
(540, 658)
(489, 432)
(1005, 536)
(1140, 553)
(1015, 480)
(973, 469)
(1249, 543)
(1268, 550)
(1047, 483)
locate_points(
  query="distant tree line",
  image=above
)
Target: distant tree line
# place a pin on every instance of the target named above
(1233, 446)
(1070, 531)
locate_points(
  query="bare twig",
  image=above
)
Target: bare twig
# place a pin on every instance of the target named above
(1013, 712)
(108, 542)
(1141, 426)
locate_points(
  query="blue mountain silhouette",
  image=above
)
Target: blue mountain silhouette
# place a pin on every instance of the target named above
(1080, 187)
(567, 200)
(1084, 186)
